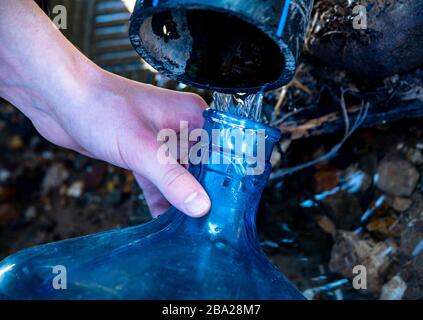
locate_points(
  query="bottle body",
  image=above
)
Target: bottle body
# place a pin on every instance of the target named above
(172, 257)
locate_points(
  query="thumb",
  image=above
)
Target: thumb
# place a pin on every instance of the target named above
(179, 187)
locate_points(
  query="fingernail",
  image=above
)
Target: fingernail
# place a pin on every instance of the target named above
(196, 204)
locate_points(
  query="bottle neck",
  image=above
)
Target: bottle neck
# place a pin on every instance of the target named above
(234, 170)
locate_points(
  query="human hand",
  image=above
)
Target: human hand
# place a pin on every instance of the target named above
(117, 120)
(76, 105)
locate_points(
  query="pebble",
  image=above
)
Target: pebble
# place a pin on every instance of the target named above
(75, 190)
(351, 249)
(275, 159)
(394, 289)
(326, 224)
(402, 204)
(47, 155)
(397, 177)
(381, 227)
(415, 156)
(54, 178)
(4, 175)
(16, 143)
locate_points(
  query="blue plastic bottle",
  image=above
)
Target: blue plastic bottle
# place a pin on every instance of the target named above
(175, 256)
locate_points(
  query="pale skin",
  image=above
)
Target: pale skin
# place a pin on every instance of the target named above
(77, 105)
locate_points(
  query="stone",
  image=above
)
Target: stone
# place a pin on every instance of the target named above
(54, 178)
(397, 177)
(4, 175)
(326, 224)
(275, 159)
(381, 227)
(394, 289)
(16, 143)
(75, 190)
(351, 249)
(401, 204)
(415, 156)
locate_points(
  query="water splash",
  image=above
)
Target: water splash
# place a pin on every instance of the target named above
(244, 105)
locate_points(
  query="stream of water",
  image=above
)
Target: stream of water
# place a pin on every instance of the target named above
(244, 105)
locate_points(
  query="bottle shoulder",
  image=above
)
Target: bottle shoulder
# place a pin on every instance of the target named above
(163, 263)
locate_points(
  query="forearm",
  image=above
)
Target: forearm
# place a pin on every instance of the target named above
(38, 65)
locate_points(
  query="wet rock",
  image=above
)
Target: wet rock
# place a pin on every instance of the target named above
(8, 215)
(4, 175)
(54, 178)
(352, 249)
(95, 175)
(394, 289)
(397, 177)
(75, 190)
(401, 204)
(344, 209)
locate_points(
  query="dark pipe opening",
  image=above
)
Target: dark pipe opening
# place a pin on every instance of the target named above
(211, 49)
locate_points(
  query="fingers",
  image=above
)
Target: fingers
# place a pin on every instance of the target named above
(179, 187)
(155, 200)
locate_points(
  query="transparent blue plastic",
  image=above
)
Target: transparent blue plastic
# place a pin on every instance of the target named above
(174, 256)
